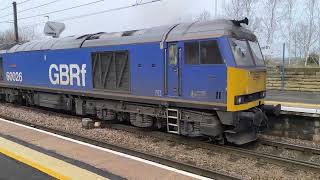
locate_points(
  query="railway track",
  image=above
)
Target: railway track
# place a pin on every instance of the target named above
(246, 151)
(243, 151)
(270, 158)
(169, 162)
(284, 145)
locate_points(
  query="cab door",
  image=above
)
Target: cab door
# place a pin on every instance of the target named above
(204, 70)
(174, 53)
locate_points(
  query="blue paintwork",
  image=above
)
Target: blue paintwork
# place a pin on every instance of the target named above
(198, 82)
(201, 82)
(35, 66)
(226, 50)
(144, 79)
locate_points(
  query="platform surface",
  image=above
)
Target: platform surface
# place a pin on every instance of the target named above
(299, 102)
(71, 159)
(294, 97)
(12, 169)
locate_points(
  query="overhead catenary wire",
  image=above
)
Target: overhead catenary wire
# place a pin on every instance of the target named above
(7, 22)
(95, 13)
(22, 2)
(35, 7)
(7, 7)
(41, 5)
(61, 10)
(108, 10)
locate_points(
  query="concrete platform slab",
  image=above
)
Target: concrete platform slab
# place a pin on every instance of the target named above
(294, 97)
(108, 161)
(28, 136)
(299, 102)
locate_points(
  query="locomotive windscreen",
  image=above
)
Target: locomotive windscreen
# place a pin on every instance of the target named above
(247, 53)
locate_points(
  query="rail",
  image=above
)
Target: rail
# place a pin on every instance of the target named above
(290, 146)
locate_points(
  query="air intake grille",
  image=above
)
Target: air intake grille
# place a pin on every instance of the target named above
(111, 70)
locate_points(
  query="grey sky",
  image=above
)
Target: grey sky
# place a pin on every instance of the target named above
(156, 14)
(159, 13)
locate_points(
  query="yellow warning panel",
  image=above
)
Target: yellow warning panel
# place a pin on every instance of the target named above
(44, 163)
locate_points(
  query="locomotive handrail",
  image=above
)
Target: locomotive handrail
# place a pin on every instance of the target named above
(165, 36)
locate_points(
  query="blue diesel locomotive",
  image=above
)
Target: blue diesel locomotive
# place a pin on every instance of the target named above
(193, 79)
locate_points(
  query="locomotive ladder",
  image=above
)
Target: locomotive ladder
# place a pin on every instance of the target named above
(173, 121)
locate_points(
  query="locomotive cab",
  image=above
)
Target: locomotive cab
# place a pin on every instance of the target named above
(220, 64)
(247, 79)
(246, 86)
(246, 90)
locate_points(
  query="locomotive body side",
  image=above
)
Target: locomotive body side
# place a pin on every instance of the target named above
(200, 83)
(49, 69)
(72, 69)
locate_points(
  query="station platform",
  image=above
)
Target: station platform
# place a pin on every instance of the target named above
(16, 170)
(292, 101)
(44, 155)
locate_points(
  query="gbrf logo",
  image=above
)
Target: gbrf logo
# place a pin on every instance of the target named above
(64, 74)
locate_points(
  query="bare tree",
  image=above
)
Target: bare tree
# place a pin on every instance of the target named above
(311, 6)
(7, 37)
(238, 9)
(295, 42)
(299, 39)
(318, 32)
(289, 10)
(204, 16)
(277, 21)
(270, 20)
(234, 9)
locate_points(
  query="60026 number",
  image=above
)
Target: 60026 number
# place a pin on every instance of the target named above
(14, 76)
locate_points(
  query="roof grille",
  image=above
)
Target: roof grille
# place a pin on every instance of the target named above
(129, 33)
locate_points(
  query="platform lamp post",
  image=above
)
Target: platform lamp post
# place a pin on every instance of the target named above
(283, 64)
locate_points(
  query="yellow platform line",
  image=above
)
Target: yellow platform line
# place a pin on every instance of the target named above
(294, 104)
(32, 164)
(53, 167)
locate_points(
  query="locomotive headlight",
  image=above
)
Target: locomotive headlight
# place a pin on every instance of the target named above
(242, 99)
(239, 100)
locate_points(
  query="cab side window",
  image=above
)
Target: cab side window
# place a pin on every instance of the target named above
(191, 50)
(203, 52)
(173, 54)
(209, 53)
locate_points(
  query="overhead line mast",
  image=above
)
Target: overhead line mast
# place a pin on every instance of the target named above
(15, 21)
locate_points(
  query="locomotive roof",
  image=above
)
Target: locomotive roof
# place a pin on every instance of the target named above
(178, 32)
